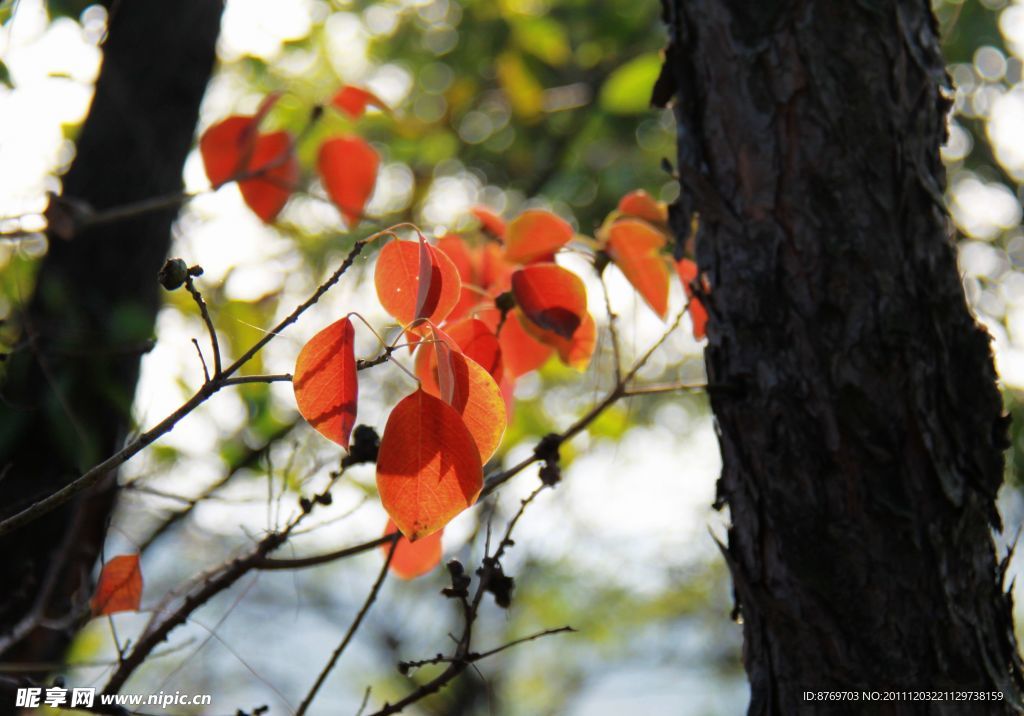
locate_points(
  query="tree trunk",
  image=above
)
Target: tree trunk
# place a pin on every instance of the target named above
(860, 424)
(69, 386)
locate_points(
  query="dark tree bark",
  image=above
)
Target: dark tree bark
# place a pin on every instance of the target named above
(860, 424)
(69, 386)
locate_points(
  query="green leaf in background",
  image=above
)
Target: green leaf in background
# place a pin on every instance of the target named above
(524, 92)
(628, 90)
(543, 38)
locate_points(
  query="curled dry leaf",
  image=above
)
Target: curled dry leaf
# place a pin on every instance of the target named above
(415, 280)
(348, 169)
(428, 466)
(120, 586)
(536, 235)
(636, 248)
(413, 559)
(325, 382)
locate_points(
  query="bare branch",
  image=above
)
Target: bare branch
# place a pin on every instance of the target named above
(99, 471)
(353, 627)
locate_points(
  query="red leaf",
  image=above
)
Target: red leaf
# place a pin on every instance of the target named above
(120, 586)
(644, 206)
(348, 168)
(470, 295)
(520, 352)
(479, 343)
(635, 248)
(455, 248)
(233, 149)
(489, 221)
(428, 466)
(398, 282)
(354, 100)
(535, 234)
(688, 271)
(447, 373)
(413, 559)
(550, 296)
(494, 273)
(576, 351)
(326, 388)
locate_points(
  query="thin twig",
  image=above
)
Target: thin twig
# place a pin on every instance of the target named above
(204, 311)
(99, 471)
(219, 580)
(370, 599)
(270, 564)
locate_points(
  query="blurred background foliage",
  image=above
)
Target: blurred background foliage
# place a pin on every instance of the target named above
(511, 104)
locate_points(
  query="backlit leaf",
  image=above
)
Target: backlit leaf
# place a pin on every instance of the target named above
(489, 221)
(524, 92)
(120, 586)
(635, 247)
(428, 466)
(478, 342)
(413, 559)
(348, 169)
(536, 234)
(644, 206)
(326, 388)
(353, 101)
(550, 296)
(398, 282)
(520, 352)
(687, 271)
(628, 89)
(575, 351)
(263, 164)
(475, 394)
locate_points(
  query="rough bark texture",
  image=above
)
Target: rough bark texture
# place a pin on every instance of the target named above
(860, 424)
(69, 386)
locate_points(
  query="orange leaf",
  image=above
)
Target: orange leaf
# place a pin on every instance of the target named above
(398, 280)
(455, 248)
(520, 352)
(489, 221)
(494, 273)
(688, 271)
(233, 149)
(535, 234)
(277, 172)
(326, 388)
(354, 100)
(576, 351)
(428, 466)
(466, 385)
(348, 168)
(552, 297)
(413, 559)
(478, 342)
(644, 206)
(224, 145)
(635, 248)
(120, 586)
